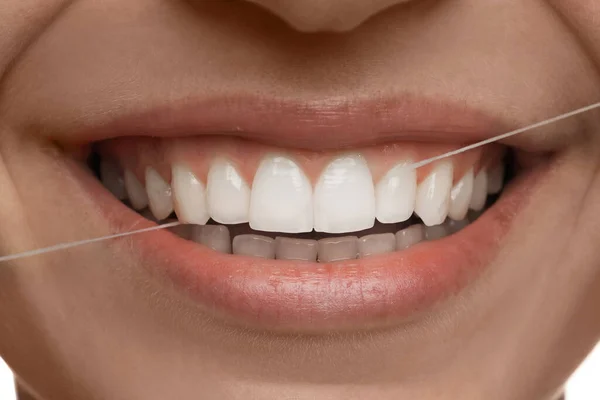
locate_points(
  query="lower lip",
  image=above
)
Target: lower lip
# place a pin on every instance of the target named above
(309, 297)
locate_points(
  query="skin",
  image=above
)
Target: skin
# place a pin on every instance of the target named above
(90, 324)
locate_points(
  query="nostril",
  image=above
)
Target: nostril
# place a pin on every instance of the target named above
(325, 15)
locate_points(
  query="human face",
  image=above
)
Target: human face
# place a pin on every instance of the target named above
(320, 99)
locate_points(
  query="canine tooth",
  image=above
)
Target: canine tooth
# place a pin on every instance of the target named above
(189, 195)
(433, 195)
(111, 178)
(371, 245)
(338, 249)
(254, 246)
(496, 179)
(228, 194)
(460, 196)
(480, 191)
(436, 232)
(159, 194)
(395, 194)
(345, 197)
(281, 199)
(295, 249)
(215, 237)
(410, 236)
(135, 191)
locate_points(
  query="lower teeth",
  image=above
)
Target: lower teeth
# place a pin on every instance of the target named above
(315, 246)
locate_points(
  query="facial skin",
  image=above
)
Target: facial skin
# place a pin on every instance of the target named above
(90, 323)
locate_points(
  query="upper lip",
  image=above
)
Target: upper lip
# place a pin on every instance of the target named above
(315, 125)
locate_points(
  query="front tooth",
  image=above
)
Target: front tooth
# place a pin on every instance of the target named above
(228, 193)
(215, 237)
(396, 193)
(480, 191)
(111, 178)
(345, 196)
(190, 196)
(410, 236)
(338, 249)
(135, 191)
(433, 195)
(295, 249)
(254, 246)
(496, 179)
(371, 245)
(460, 197)
(281, 199)
(159, 194)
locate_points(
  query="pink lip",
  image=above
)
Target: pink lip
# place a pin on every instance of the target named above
(315, 125)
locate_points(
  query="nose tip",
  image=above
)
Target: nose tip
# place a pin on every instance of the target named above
(326, 15)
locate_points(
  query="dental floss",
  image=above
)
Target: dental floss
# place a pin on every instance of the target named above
(70, 245)
(505, 136)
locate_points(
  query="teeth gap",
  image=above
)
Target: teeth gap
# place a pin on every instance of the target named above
(241, 229)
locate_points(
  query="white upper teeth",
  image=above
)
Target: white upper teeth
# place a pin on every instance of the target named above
(282, 198)
(480, 191)
(344, 198)
(159, 194)
(460, 197)
(228, 193)
(433, 194)
(396, 194)
(190, 196)
(135, 191)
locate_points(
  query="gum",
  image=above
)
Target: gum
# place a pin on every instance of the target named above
(136, 154)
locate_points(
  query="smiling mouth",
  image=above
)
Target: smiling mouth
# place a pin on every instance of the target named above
(247, 199)
(315, 238)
